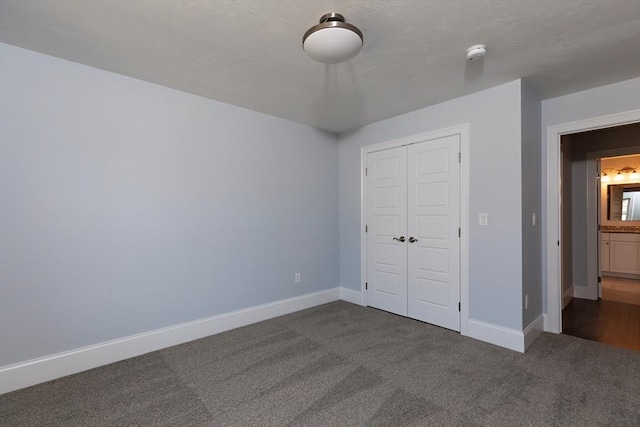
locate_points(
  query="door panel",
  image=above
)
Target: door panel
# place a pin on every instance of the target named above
(386, 219)
(433, 203)
(433, 259)
(433, 292)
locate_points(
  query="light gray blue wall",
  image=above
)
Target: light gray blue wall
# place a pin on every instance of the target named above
(600, 101)
(495, 153)
(531, 194)
(126, 207)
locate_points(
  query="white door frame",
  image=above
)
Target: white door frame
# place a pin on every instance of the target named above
(553, 321)
(593, 236)
(463, 131)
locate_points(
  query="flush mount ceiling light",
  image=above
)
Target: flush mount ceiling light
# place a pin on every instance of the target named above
(332, 40)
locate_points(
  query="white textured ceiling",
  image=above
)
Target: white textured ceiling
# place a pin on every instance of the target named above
(248, 52)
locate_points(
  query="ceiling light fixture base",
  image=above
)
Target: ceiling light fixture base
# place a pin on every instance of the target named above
(341, 44)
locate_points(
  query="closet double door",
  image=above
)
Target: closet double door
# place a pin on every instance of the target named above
(413, 234)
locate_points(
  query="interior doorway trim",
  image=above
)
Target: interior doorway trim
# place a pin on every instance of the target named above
(463, 131)
(553, 321)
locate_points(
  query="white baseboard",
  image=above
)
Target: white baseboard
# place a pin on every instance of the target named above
(487, 332)
(349, 295)
(567, 296)
(581, 292)
(533, 331)
(545, 321)
(498, 335)
(35, 371)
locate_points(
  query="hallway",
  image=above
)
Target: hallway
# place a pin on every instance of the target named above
(609, 322)
(621, 290)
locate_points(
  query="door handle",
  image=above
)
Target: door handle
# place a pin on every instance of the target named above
(412, 239)
(399, 239)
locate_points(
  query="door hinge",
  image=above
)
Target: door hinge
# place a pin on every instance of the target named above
(459, 157)
(366, 171)
(458, 306)
(459, 232)
(599, 279)
(558, 242)
(366, 285)
(366, 228)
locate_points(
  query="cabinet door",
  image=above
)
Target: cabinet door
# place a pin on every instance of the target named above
(624, 257)
(604, 256)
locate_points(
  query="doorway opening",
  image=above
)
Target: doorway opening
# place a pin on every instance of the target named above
(552, 226)
(600, 234)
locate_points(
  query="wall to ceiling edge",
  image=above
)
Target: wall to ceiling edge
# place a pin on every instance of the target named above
(600, 101)
(504, 142)
(496, 267)
(161, 193)
(128, 207)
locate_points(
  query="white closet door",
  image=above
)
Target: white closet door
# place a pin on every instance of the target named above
(387, 226)
(433, 219)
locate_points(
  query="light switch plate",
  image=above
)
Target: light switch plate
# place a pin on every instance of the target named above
(483, 218)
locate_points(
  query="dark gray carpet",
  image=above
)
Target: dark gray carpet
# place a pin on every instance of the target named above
(342, 364)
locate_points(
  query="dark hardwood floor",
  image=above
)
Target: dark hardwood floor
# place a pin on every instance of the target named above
(621, 290)
(613, 323)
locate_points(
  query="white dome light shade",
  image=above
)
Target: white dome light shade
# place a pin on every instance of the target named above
(333, 45)
(332, 41)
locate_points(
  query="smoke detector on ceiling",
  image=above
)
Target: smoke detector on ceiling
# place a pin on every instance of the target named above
(476, 52)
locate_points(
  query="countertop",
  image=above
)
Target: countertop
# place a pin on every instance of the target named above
(630, 229)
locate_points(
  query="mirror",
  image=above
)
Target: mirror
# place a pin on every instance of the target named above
(623, 202)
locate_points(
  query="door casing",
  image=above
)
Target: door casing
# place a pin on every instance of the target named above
(463, 131)
(553, 319)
